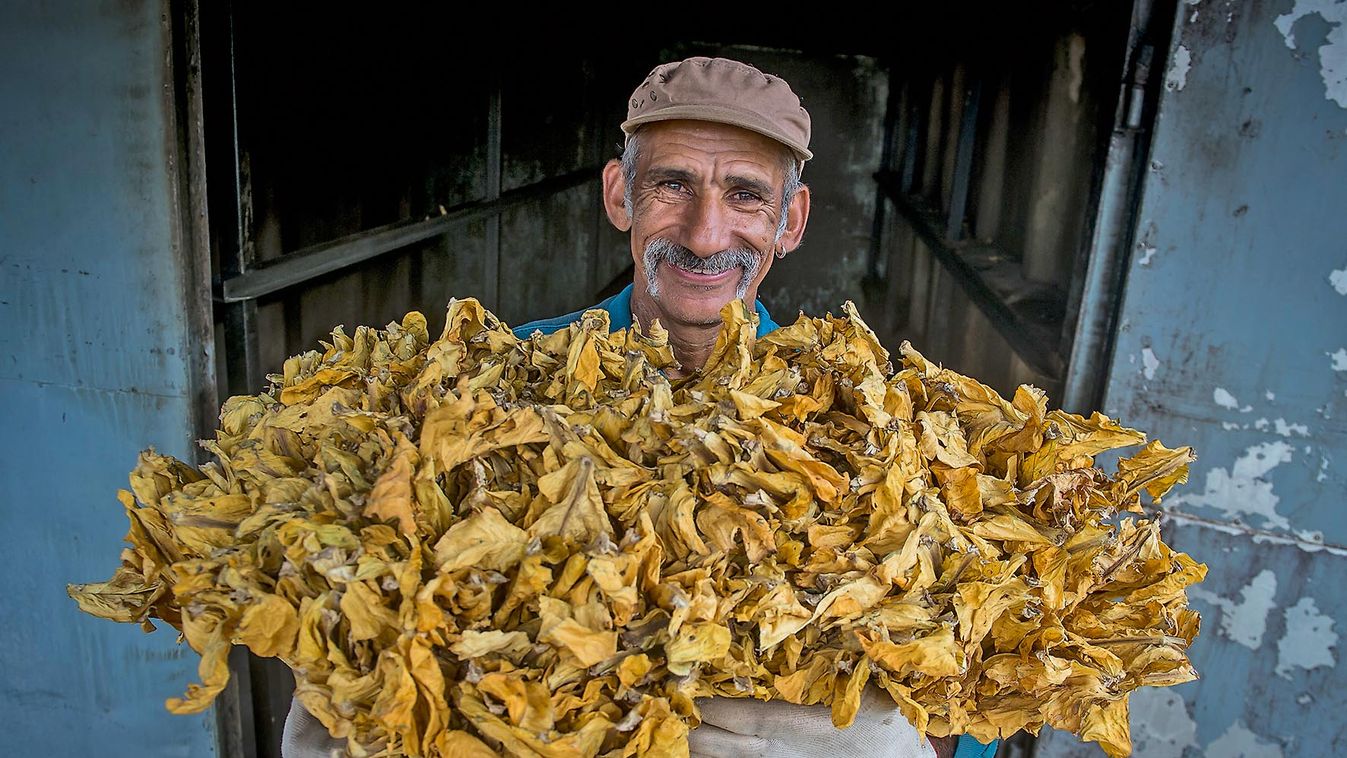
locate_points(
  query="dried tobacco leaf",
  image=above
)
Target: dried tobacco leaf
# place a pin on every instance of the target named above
(484, 545)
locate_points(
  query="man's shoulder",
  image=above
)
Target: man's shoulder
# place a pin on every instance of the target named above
(619, 315)
(548, 325)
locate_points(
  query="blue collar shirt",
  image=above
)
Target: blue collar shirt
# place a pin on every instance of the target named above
(619, 317)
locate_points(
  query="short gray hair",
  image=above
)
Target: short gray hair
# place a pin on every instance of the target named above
(790, 186)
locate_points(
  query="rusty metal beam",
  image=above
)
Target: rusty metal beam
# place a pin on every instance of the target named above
(306, 264)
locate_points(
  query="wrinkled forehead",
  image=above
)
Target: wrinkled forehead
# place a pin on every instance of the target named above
(712, 149)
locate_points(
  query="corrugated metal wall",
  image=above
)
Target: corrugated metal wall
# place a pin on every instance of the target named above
(1233, 338)
(102, 353)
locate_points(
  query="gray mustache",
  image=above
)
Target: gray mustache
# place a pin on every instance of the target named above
(662, 250)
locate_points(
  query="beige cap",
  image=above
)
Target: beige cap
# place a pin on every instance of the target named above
(724, 91)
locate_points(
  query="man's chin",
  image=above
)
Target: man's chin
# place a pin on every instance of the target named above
(694, 306)
(703, 316)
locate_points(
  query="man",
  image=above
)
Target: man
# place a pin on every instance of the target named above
(709, 189)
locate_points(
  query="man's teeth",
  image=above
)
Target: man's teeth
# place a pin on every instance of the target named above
(692, 271)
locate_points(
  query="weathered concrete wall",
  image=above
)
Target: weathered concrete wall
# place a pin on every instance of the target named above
(1233, 339)
(99, 358)
(846, 97)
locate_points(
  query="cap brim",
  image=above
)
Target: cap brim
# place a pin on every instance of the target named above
(719, 115)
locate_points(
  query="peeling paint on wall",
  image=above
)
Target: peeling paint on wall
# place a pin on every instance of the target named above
(1244, 621)
(1333, 53)
(1239, 742)
(1223, 398)
(1146, 244)
(1286, 429)
(1338, 278)
(1244, 488)
(1177, 76)
(1149, 362)
(1339, 359)
(1279, 426)
(1161, 726)
(1308, 641)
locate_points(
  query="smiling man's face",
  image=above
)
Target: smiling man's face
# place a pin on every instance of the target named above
(706, 211)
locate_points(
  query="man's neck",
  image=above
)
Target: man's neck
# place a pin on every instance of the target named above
(691, 343)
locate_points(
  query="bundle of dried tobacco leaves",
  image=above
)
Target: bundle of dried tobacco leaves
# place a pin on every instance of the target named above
(545, 547)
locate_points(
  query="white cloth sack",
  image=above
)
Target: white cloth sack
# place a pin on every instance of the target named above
(746, 728)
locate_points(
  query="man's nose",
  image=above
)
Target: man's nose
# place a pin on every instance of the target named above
(708, 228)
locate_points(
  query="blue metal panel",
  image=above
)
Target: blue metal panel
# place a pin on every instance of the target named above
(1233, 338)
(1230, 320)
(1271, 614)
(94, 366)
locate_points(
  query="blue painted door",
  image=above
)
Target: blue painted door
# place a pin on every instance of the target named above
(97, 361)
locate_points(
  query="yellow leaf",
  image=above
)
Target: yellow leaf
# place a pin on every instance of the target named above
(483, 540)
(587, 645)
(936, 654)
(751, 406)
(474, 644)
(1154, 468)
(1106, 724)
(213, 670)
(959, 488)
(269, 626)
(633, 668)
(365, 609)
(577, 512)
(391, 498)
(528, 703)
(696, 643)
(847, 695)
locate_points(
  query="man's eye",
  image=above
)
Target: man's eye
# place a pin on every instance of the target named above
(745, 196)
(671, 184)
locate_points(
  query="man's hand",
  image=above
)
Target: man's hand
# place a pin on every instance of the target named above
(742, 727)
(306, 737)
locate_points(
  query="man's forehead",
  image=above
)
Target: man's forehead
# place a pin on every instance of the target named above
(703, 145)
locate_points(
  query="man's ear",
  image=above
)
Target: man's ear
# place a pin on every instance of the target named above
(614, 195)
(796, 219)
